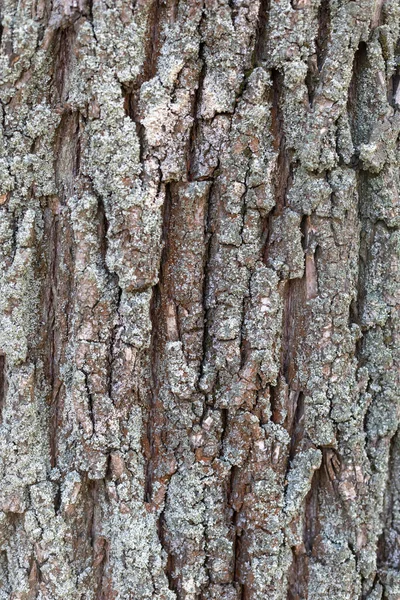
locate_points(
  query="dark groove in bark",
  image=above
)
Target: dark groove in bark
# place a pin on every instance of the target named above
(235, 504)
(51, 290)
(208, 235)
(131, 93)
(57, 500)
(77, 137)
(294, 318)
(59, 248)
(154, 47)
(90, 18)
(355, 106)
(261, 32)
(64, 41)
(283, 173)
(316, 61)
(296, 427)
(156, 410)
(90, 400)
(365, 241)
(191, 175)
(298, 576)
(154, 316)
(311, 79)
(3, 386)
(170, 564)
(393, 88)
(102, 228)
(324, 32)
(67, 154)
(299, 570)
(131, 101)
(355, 113)
(276, 416)
(388, 547)
(99, 546)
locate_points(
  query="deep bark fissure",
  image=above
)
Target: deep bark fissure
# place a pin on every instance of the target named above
(208, 237)
(3, 380)
(283, 172)
(316, 61)
(196, 120)
(324, 30)
(388, 548)
(261, 31)
(156, 353)
(296, 427)
(354, 103)
(299, 572)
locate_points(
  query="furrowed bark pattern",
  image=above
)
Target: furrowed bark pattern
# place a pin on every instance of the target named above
(199, 302)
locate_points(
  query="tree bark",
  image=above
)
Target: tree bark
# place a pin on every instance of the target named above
(199, 301)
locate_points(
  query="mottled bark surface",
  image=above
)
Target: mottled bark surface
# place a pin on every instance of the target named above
(199, 300)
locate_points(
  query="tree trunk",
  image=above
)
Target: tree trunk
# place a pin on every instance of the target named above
(199, 302)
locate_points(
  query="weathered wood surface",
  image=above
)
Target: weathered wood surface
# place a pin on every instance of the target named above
(199, 300)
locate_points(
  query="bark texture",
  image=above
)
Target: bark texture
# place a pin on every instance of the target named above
(199, 301)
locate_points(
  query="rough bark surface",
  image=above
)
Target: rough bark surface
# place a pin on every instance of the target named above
(199, 300)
